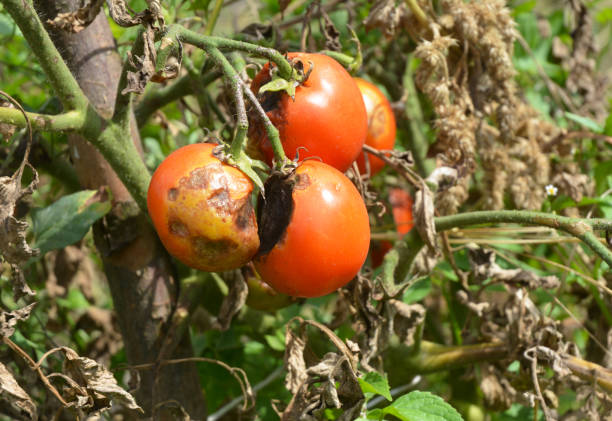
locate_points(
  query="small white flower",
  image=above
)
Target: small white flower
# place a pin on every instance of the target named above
(551, 190)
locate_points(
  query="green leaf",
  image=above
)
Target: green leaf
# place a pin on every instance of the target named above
(422, 406)
(278, 84)
(417, 291)
(67, 221)
(584, 122)
(376, 383)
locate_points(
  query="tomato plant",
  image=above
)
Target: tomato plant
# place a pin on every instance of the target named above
(381, 124)
(202, 211)
(326, 118)
(326, 240)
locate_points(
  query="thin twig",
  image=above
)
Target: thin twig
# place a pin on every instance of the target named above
(36, 368)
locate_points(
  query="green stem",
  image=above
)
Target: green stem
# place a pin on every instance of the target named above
(579, 228)
(115, 144)
(207, 42)
(60, 78)
(155, 99)
(434, 357)
(210, 25)
(72, 120)
(273, 135)
(417, 12)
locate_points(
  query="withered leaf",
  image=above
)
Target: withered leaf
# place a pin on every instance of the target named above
(8, 320)
(18, 401)
(13, 246)
(234, 300)
(424, 215)
(144, 65)
(484, 266)
(405, 319)
(498, 393)
(97, 382)
(385, 15)
(78, 20)
(294, 361)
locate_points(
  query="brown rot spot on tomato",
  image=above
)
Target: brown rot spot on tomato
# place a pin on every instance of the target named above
(274, 211)
(221, 201)
(173, 194)
(302, 181)
(211, 249)
(178, 228)
(242, 218)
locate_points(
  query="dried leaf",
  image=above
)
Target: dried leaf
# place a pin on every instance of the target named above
(329, 31)
(498, 393)
(424, 216)
(484, 267)
(405, 319)
(19, 402)
(8, 320)
(98, 384)
(385, 15)
(234, 300)
(78, 20)
(144, 64)
(294, 361)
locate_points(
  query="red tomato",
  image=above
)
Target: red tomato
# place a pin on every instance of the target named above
(327, 116)
(202, 211)
(401, 207)
(381, 124)
(327, 238)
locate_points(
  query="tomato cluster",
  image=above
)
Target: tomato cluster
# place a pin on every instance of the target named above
(311, 234)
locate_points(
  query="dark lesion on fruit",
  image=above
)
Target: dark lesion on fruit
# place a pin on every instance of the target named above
(178, 228)
(210, 176)
(221, 201)
(173, 194)
(213, 249)
(243, 217)
(302, 181)
(274, 211)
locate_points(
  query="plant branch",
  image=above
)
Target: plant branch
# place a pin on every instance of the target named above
(208, 42)
(71, 120)
(60, 78)
(580, 228)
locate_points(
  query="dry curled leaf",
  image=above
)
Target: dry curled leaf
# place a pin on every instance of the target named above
(78, 20)
(385, 15)
(484, 267)
(95, 386)
(498, 393)
(18, 403)
(294, 361)
(234, 300)
(424, 215)
(404, 319)
(144, 65)
(8, 320)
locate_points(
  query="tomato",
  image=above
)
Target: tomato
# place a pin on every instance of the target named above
(381, 124)
(327, 118)
(261, 296)
(326, 240)
(401, 207)
(202, 211)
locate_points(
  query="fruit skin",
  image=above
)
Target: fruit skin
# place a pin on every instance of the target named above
(381, 124)
(327, 239)
(401, 208)
(327, 116)
(261, 296)
(202, 211)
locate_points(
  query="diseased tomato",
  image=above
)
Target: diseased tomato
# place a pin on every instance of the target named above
(261, 296)
(381, 124)
(327, 118)
(202, 211)
(327, 234)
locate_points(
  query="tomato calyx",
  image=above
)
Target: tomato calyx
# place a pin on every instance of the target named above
(270, 92)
